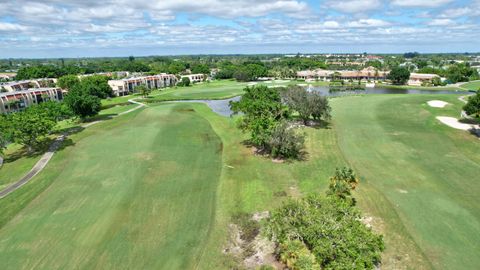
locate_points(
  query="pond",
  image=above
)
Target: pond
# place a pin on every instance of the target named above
(222, 107)
(325, 91)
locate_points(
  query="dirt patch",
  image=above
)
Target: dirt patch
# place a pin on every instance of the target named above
(144, 156)
(251, 252)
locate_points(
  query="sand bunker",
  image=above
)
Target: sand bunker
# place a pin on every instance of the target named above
(454, 123)
(437, 103)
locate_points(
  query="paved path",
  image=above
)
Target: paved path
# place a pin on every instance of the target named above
(40, 165)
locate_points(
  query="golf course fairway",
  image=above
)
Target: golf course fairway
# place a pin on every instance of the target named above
(136, 192)
(419, 175)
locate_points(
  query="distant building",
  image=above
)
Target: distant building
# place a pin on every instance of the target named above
(126, 86)
(194, 77)
(7, 75)
(27, 84)
(417, 79)
(368, 73)
(19, 100)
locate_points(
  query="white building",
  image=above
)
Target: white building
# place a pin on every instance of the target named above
(194, 77)
(19, 100)
(27, 84)
(417, 79)
(126, 86)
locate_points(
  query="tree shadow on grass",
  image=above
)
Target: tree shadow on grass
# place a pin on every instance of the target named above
(265, 153)
(100, 117)
(472, 121)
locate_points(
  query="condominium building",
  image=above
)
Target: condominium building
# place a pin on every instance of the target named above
(27, 84)
(19, 100)
(194, 77)
(418, 79)
(126, 86)
(368, 73)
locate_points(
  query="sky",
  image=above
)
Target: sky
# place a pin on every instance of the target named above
(94, 28)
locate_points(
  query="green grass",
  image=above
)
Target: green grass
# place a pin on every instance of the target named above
(124, 196)
(471, 85)
(150, 190)
(419, 176)
(156, 189)
(454, 88)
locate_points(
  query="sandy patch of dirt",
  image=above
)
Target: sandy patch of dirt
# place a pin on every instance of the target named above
(454, 123)
(252, 254)
(437, 103)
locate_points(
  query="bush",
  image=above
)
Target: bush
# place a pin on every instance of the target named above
(473, 105)
(330, 228)
(285, 142)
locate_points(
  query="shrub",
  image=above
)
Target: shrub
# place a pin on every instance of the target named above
(285, 142)
(331, 230)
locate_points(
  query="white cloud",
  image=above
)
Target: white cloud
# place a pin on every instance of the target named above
(10, 27)
(368, 23)
(441, 22)
(354, 6)
(420, 3)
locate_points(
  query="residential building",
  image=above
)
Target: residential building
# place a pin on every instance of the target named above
(27, 84)
(126, 86)
(19, 100)
(7, 75)
(366, 74)
(194, 77)
(418, 79)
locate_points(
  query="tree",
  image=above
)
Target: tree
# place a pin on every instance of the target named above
(307, 104)
(30, 126)
(473, 105)
(4, 131)
(399, 75)
(56, 110)
(81, 103)
(342, 183)
(96, 85)
(68, 81)
(200, 69)
(285, 142)
(319, 106)
(143, 90)
(262, 110)
(185, 81)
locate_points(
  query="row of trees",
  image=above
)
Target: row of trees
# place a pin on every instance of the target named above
(267, 114)
(325, 232)
(30, 126)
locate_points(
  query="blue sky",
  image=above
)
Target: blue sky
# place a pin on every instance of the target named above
(65, 28)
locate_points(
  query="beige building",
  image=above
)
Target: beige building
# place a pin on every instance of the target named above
(366, 74)
(417, 79)
(19, 100)
(27, 84)
(194, 77)
(126, 86)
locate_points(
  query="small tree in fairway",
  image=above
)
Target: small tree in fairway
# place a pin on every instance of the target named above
(262, 110)
(285, 142)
